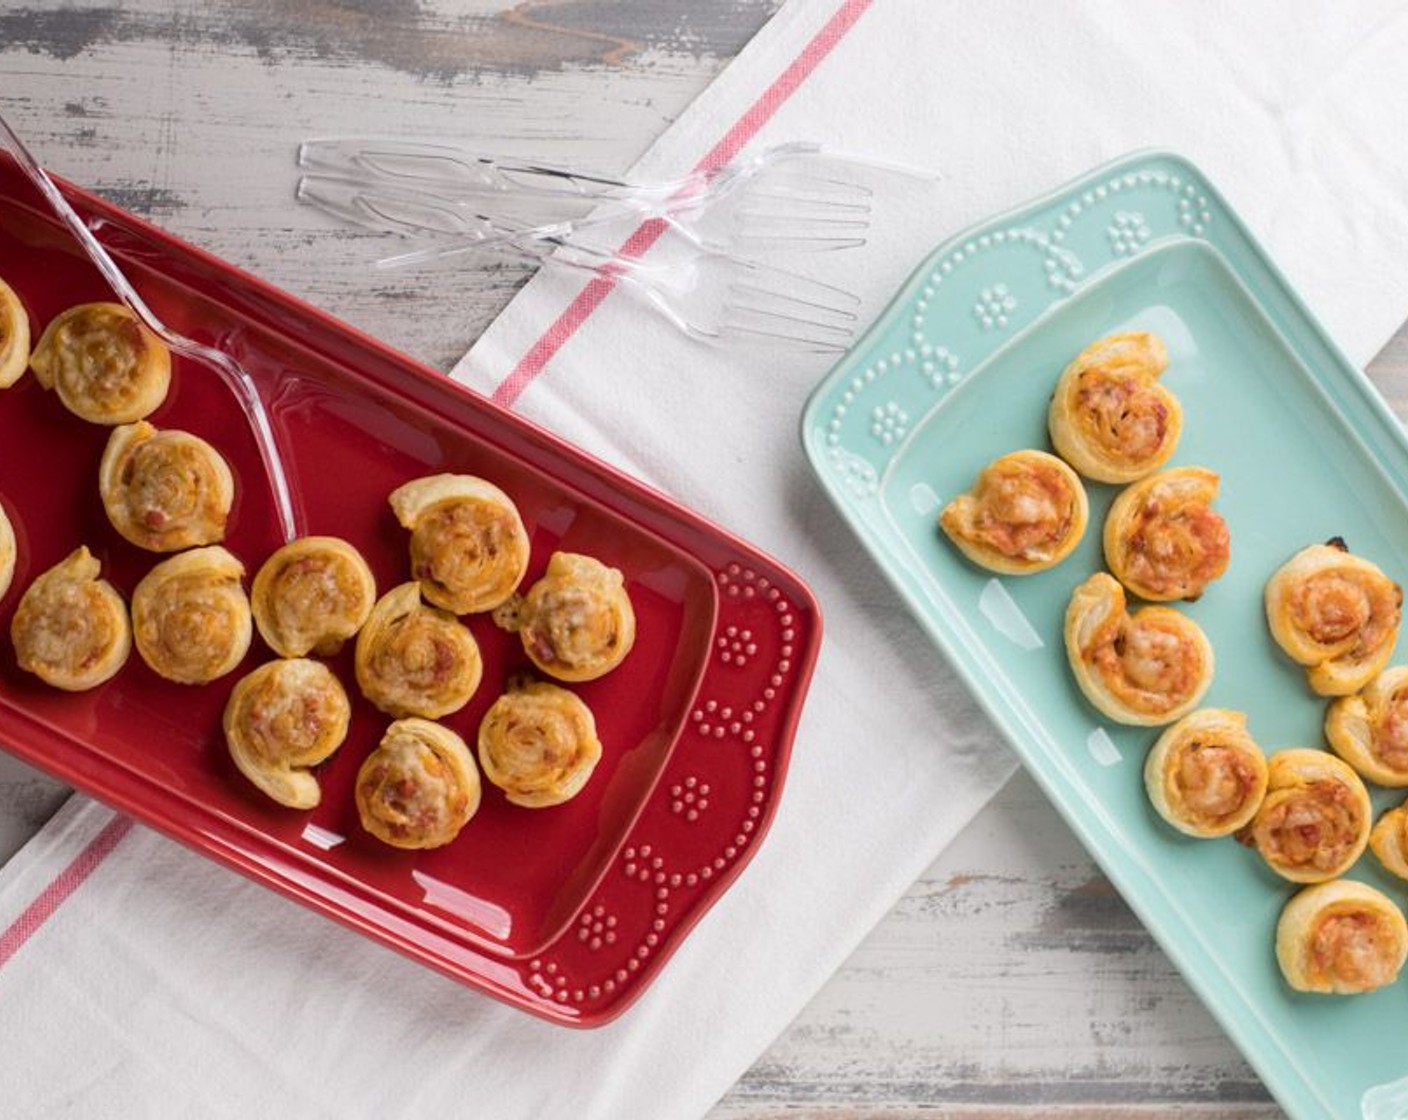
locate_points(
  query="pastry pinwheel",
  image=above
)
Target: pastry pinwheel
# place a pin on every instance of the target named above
(416, 660)
(1369, 730)
(281, 719)
(1341, 938)
(14, 336)
(1162, 540)
(576, 622)
(190, 616)
(1147, 668)
(1314, 821)
(70, 628)
(1389, 841)
(105, 365)
(469, 549)
(1206, 775)
(538, 744)
(7, 552)
(1335, 613)
(311, 595)
(1110, 417)
(1026, 511)
(164, 490)
(419, 787)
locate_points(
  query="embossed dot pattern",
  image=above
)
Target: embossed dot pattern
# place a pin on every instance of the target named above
(1134, 209)
(622, 947)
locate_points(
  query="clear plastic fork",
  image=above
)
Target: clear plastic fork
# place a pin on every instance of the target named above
(795, 196)
(707, 294)
(230, 371)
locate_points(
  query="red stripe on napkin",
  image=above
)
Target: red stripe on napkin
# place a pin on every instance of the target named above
(744, 129)
(64, 884)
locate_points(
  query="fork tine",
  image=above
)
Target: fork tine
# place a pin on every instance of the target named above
(767, 312)
(754, 324)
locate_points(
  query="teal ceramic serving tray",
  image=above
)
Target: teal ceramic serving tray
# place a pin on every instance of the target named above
(959, 370)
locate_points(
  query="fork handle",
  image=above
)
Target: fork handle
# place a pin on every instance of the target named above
(424, 164)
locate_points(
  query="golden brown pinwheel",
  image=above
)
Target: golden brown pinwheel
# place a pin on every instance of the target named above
(1110, 418)
(538, 744)
(8, 552)
(1389, 841)
(416, 660)
(1206, 775)
(576, 623)
(70, 628)
(1335, 613)
(14, 336)
(1147, 668)
(1341, 938)
(1369, 730)
(105, 365)
(1026, 511)
(469, 549)
(164, 490)
(419, 787)
(281, 719)
(1314, 821)
(1162, 541)
(311, 595)
(190, 616)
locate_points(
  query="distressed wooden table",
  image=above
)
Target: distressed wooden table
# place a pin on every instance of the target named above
(1011, 981)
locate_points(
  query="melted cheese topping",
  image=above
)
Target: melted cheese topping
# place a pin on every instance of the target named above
(538, 744)
(1124, 416)
(105, 366)
(165, 490)
(416, 660)
(1161, 538)
(1026, 511)
(577, 622)
(469, 547)
(14, 336)
(419, 787)
(190, 616)
(71, 628)
(312, 595)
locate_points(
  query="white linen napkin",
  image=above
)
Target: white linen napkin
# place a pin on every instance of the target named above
(189, 991)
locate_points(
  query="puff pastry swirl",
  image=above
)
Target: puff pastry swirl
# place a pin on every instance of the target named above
(105, 365)
(8, 552)
(1147, 668)
(164, 490)
(14, 336)
(1369, 730)
(469, 549)
(1110, 418)
(1389, 841)
(416, 660)
(281, 719)
(311, 595)
(419, 787)
(538, 744)
(71, 628)
(1162, 541)
(1206, 775)
(191, 617)
(576, 623)
(1026, 512)
(1341, 938)
(1335, 613)
(1314, 821)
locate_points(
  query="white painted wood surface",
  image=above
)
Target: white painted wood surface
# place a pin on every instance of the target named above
(1011, 980)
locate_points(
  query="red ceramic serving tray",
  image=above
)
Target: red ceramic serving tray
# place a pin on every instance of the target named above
(566, 912)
